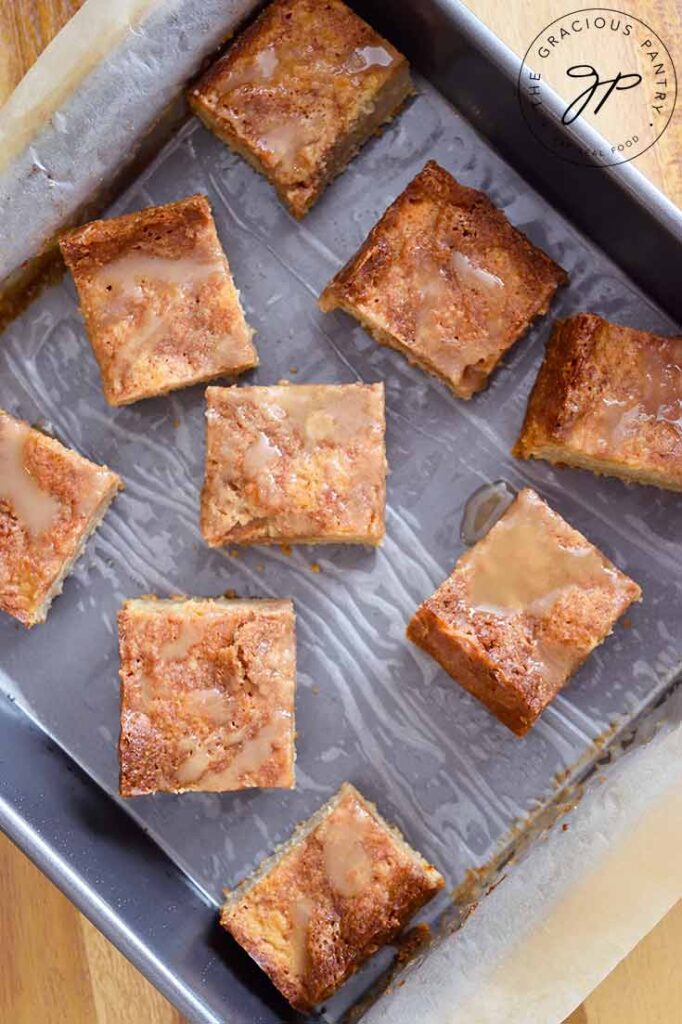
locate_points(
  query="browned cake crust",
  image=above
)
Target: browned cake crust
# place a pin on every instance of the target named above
(342, 887)
(207, 695)
(158, 299)
(445, 279)
(300, 92)
(296, 463)
(609, 399)
(51, 499)
(522, 610)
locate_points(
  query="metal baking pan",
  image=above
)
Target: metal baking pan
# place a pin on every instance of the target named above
(370, 707)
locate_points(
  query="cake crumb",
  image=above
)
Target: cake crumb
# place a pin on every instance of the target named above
(533, 588)
(607, 399)
(344, 885)
(411, 941)
(445, 279)
(160, 306)
(294, 464)
(207, 695)
(301, 90)
(51, 499)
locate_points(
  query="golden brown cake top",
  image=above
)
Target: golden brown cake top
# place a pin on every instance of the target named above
(340, 891)
(611, 393)
(49, 498)
(446, 276)
(158, 299)
(293, 87)
(294, 462)
(207, 698)
(534, 596)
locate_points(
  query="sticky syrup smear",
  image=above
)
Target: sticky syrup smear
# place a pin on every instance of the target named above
(484, 508)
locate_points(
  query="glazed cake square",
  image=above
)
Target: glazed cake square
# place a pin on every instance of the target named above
(522, 610)
(344, 885)
(294, 463)
(609, 399)
(51, 500)
(446, 280)
(159, 303)
(300, 92)
(207, 695)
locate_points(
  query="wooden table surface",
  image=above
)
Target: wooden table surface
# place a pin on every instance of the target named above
(55, 967)
(517, 22)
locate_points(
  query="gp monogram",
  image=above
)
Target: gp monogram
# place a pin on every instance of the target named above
(611, 71)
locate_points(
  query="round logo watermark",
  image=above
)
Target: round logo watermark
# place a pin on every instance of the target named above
(611, 71)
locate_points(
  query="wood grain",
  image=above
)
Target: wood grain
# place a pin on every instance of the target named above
(646, 987)
(26, 27)
(517, 22)
(55, 967)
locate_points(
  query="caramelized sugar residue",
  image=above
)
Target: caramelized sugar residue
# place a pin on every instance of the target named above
(483, 508)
